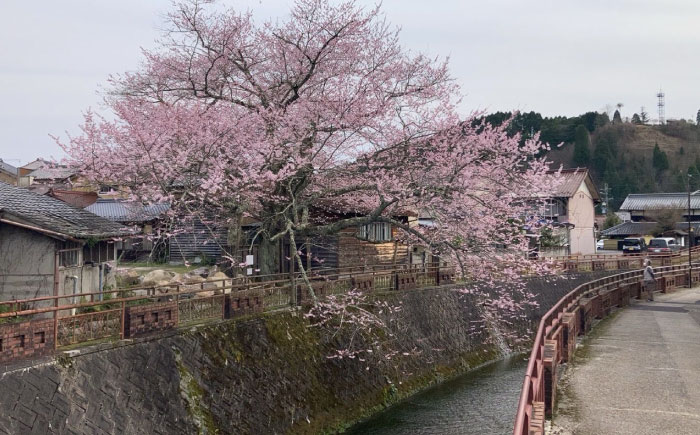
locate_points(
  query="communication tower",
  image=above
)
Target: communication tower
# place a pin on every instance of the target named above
(662, 106)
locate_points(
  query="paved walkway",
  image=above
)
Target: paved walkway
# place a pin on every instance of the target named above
(638, 373)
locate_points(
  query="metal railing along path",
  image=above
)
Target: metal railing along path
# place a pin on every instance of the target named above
(573, 315)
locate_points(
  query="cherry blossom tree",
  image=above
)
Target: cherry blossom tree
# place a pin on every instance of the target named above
(323, 111)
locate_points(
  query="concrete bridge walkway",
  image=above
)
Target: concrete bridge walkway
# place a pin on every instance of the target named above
(638, 373)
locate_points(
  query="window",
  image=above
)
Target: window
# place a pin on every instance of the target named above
(98, 252)
(69, 254)
(106, 188)
(375, 232)
(39, 337)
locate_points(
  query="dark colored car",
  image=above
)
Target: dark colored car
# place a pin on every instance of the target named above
(634, 245)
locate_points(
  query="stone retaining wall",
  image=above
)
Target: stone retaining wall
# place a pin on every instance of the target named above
(263, 374)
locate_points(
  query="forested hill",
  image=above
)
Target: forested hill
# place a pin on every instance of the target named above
(631, 157)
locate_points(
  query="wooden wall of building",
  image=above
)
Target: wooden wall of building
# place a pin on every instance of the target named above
(355, 252)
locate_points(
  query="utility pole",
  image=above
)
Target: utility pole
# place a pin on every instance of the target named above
(690, 239)
(604, 206)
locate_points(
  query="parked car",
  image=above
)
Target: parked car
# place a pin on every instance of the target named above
(661, 245)
(600, 244)
(634, 245)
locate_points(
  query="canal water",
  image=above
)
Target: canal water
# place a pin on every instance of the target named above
(482, 402)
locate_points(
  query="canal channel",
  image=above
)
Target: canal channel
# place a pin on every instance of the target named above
(482, 402)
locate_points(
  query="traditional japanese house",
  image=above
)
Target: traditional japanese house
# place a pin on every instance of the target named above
(571, 209)
(134, 214)
(8, 173)
(48, 247)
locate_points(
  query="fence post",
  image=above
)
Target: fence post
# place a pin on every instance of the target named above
(123, 321)
(55, 301)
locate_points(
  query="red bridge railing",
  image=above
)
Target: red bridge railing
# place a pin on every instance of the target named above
(573, 315)
(595, 262)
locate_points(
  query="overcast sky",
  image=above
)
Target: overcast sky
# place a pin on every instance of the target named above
(560, 57)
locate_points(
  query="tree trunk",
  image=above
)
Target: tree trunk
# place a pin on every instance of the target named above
(268, 255)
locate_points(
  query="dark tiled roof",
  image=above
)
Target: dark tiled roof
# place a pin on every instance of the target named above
(660, 201)
(630, 229)
(53, 215)
(570, 181)
(125, 211)
(644, 228)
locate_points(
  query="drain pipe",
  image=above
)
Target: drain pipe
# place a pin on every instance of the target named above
(75, 290)
(100, 283)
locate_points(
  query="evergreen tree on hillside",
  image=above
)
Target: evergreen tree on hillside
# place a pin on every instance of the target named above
(697, 118)
(692, 176)
(588, 120)
(643, 116)
(659, 160)
(678, 183)
(582, 147)
(617, 119)
(601, 120)
(636, 119)
(694, 172)
(603, 157)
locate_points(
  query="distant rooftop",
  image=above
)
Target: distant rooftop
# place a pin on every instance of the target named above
(58, 173)
(6, 167)
(76, 198)
(127, 211)
(645, 228)
(27, 207)
(571, 179)
(36, 164)
(660, 201)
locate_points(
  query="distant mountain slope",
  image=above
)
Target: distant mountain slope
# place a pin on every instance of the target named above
(622, 155)
(639, 140)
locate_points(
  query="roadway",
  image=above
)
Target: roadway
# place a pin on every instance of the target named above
(637, 373)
